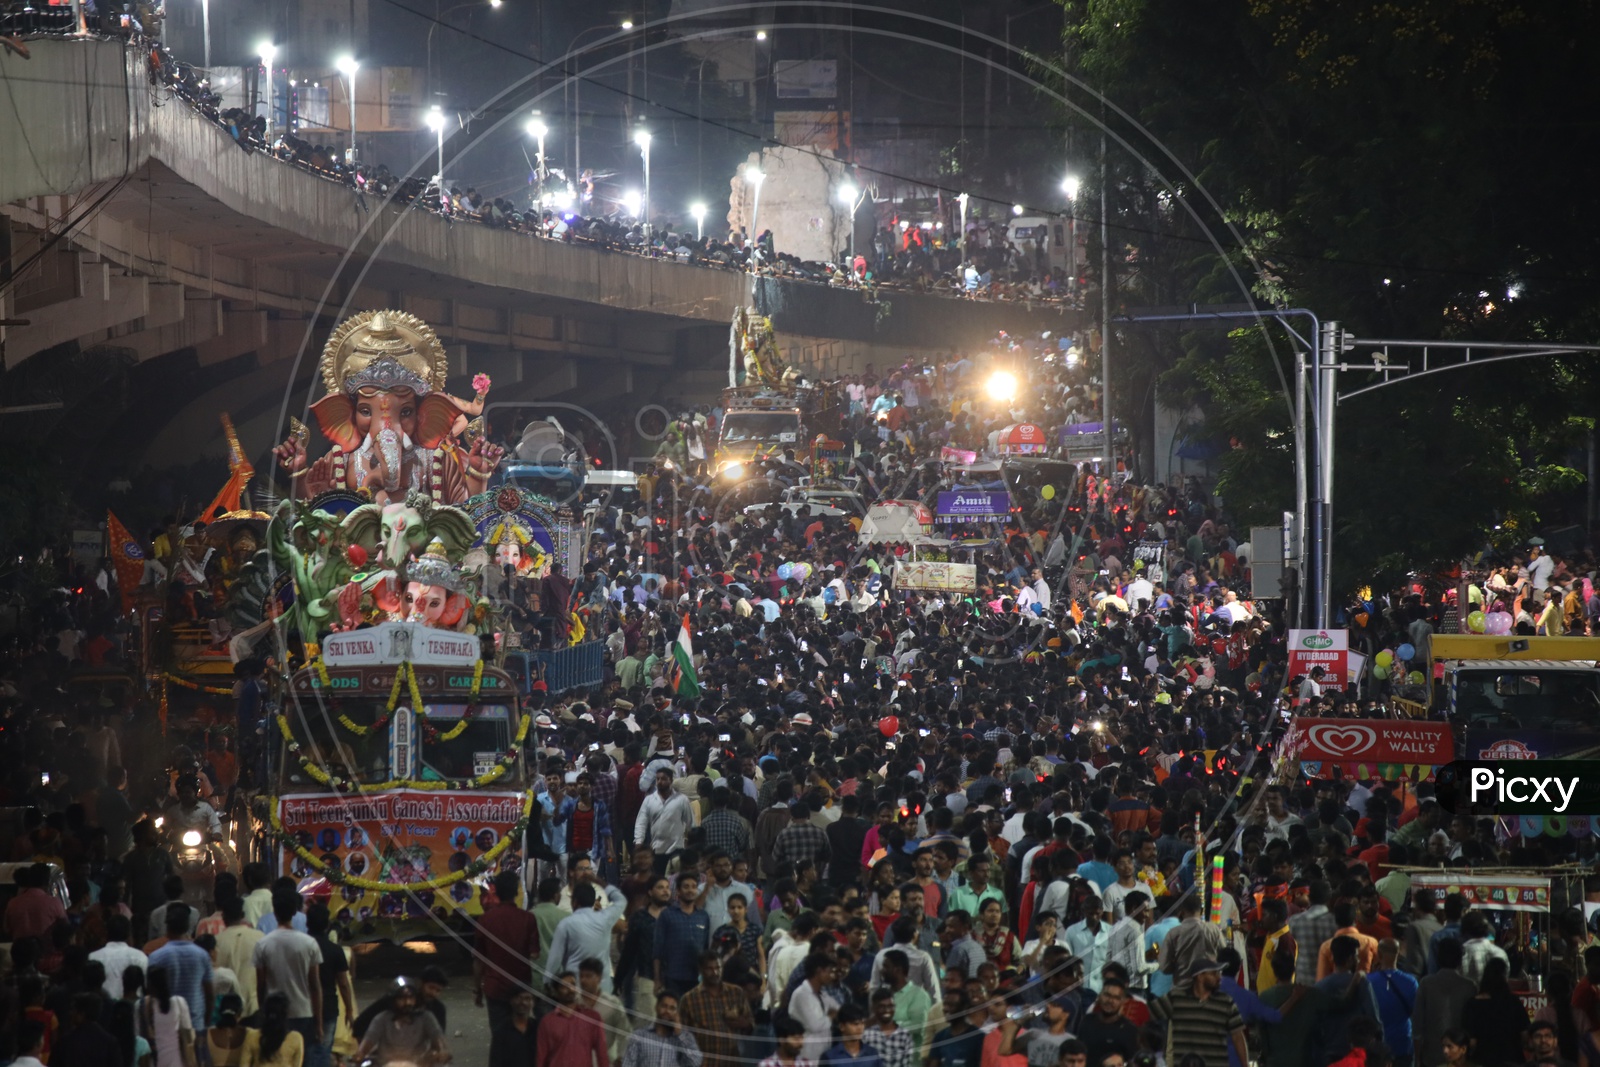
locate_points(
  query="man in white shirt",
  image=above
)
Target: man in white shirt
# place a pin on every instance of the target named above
(812, 1008)
(1041, 589)
(1540, 567)
(1312, 686)
(117, 955)
(1140, 590)
(664, 819)
(1125, 943)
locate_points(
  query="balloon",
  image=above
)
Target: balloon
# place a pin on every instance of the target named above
(1404, 653)
(1385, 658)
(1498, 623)
(1380, 672)
(889, 725)
(1415, 677)
(1476, 621)
(1048, 492)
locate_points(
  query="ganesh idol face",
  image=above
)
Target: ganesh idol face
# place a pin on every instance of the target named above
(426, 603)
(508, 554)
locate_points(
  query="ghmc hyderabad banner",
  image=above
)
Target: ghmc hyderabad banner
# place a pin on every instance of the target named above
(1329, 649)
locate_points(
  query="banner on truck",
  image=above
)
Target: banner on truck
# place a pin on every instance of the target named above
(936, 576)
(405, 837)
(973, 505)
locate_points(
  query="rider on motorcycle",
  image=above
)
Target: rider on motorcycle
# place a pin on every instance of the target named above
(192, 813)
(405, 1034)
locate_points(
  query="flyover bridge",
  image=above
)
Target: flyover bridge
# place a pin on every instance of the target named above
(131, 224)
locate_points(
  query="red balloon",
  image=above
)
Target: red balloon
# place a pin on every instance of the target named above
(889, 725)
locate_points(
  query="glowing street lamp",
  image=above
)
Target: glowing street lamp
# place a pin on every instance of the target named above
(1070, 185)
(698, 210)
(539, 131)
(348, 66)
(268, 52)
(632, 202)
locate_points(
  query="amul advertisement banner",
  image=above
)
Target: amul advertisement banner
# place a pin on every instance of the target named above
(409, 837)
(1329, 649)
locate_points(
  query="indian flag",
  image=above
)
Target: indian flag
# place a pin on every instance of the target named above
(685, 683)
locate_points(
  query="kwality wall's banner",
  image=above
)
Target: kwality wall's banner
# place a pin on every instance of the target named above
(405, 837)
(1329, 649)
(973, 505)
(1372, 741)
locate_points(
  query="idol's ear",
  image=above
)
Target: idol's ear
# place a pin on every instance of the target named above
(436, 413)
(335, 414)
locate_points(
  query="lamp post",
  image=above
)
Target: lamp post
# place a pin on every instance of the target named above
(754, 176)
(348, 67)
(435, 121)
(1070, 185)
(438, 16)
(961, 242)
(698, 210)
(205, 30)
(577, 110)
(642, 139)
(268, 52)
(850, 196)
(539, 131)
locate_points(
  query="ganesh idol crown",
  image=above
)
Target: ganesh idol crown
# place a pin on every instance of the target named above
(393, 428)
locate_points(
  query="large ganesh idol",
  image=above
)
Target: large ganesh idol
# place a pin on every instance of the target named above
(392, 426)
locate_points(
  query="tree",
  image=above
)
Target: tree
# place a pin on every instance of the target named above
(1408, 170)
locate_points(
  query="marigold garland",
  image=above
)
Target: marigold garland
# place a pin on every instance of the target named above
(333, 781)
(481, 865)
(197, 687)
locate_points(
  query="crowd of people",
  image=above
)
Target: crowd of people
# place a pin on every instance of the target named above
(869, 827)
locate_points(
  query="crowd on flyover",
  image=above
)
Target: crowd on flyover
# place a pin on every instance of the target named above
(906, 258)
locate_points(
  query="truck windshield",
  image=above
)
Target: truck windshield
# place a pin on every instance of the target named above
(331, 743)
(760, 426)
(1551, 700)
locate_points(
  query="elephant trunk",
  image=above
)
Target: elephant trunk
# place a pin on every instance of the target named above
(391, 455)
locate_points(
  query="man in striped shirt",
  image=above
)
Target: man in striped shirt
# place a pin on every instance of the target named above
(1201, 1020)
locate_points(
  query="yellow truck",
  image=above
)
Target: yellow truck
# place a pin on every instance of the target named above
(1511, 697)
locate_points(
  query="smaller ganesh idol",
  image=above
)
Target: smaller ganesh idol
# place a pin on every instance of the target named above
(438, 593)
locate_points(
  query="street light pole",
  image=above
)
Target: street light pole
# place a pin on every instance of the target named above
(754, 176)
(268, 52)
(1070, 185)
(539, 131)
(348, 67)
(435, 122)
(642, 139)
(1105, 321)
(851, 196)
(698, 210)
(205, 30)
(438, 17)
